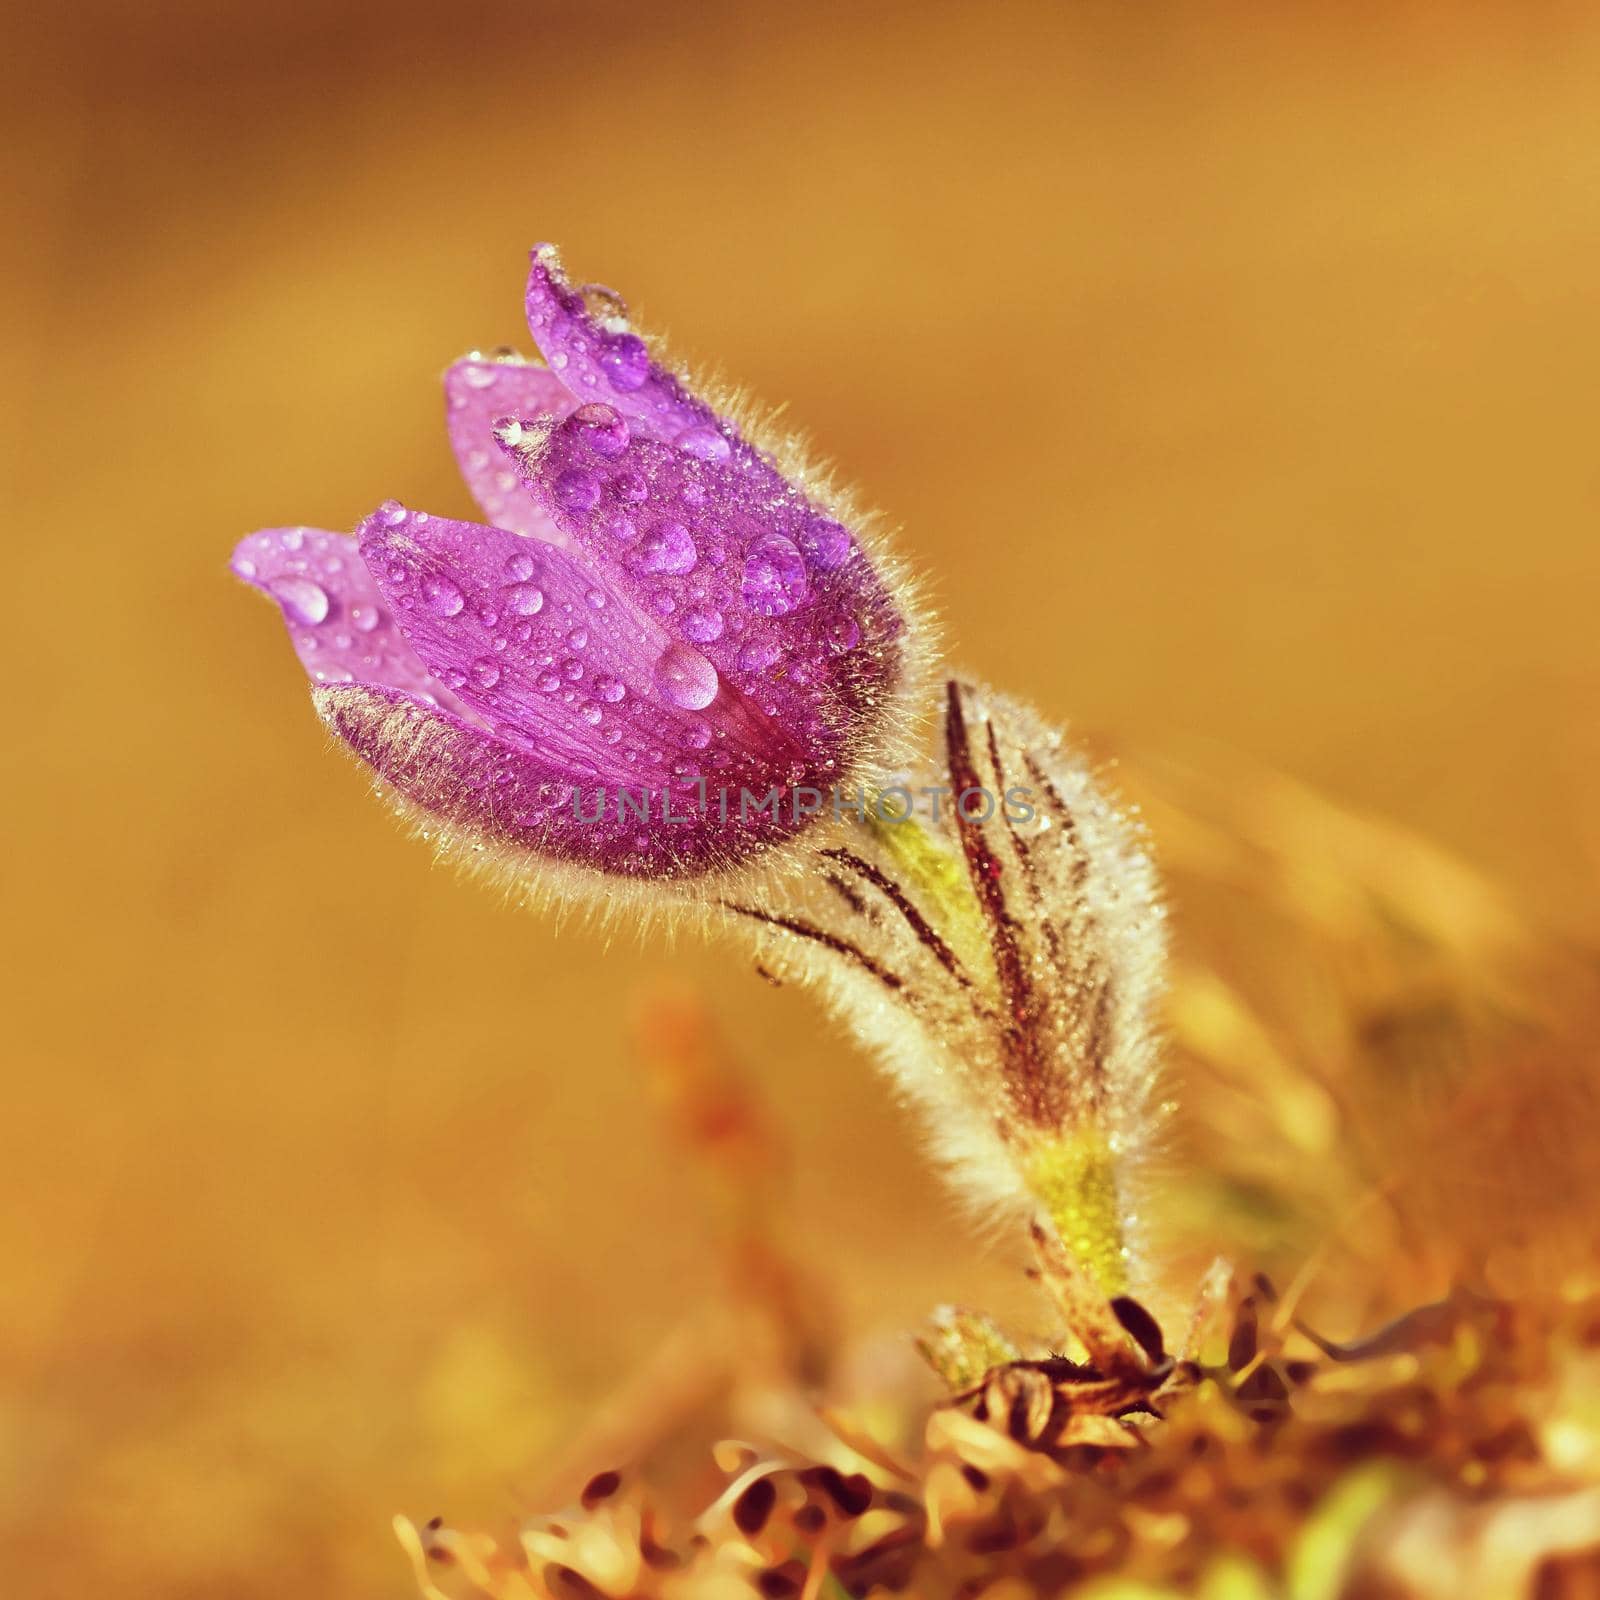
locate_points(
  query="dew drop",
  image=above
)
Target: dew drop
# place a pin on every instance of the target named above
(391, 513)
(578, 638)
(702, 624)
(706, 444)
(609, 689)
(601, 428)
(666, 548)
(577, 490)
(485, 673)
(625, 360)
(844, 633)
(302, 600)
(476, 377)
(685, 678)
(596, 599)
(757, 655)
(519, 567)
(443, 595)
(824, 543)
(696, 734)
(549, 682)
(526, 599)
(774, 577)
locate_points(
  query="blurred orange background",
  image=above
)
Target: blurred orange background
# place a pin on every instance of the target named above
(1230, 370)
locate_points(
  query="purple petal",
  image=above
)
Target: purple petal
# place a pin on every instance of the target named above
(724, 554)
(479, 390)
(657, 611)
(591, 348)
(341, 627)
(509, 796)
(558, 660)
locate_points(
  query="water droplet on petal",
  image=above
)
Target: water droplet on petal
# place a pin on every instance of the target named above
(625, 360)
(578, 638)
(601, 428)
(526, 599)
(666, 548)
(365, 618)
(758, 655)
(596, 599)
(702, 624)
(609, 689)
(577, 490)
(485, 673)
(685, 678)
(704, 443)
(476, 377)
(301, 599)
(696, 734)
(549, 682)
(774, 577)
(824, 543)
(443, 594)
(844, 633)
(391, 513)
(294, 538)
(519, 567)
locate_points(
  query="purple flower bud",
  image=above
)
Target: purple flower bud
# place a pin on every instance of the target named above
(654, 611)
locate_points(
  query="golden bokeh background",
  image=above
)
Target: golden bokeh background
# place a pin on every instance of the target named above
(1231, 370)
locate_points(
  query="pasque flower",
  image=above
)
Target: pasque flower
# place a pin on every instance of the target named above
(668, 607)
(663, 604)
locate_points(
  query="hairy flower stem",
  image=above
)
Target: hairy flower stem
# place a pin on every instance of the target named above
(1069, 1168)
